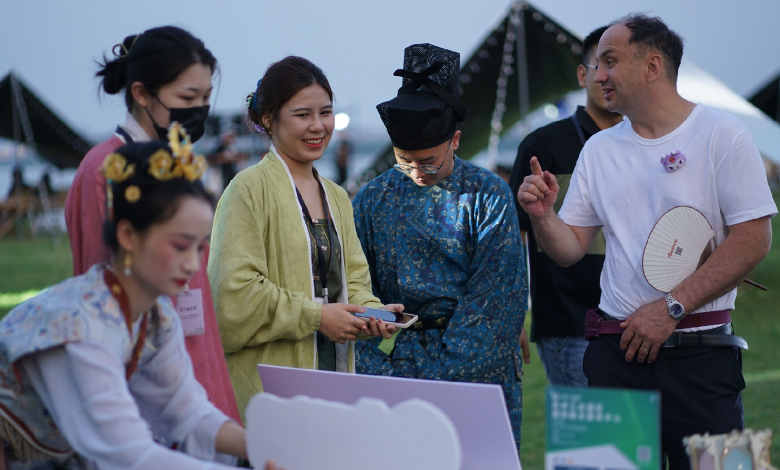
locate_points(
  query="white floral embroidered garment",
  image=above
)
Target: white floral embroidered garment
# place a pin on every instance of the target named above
(62, 383)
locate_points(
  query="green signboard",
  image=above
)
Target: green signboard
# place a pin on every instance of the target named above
(602, 429)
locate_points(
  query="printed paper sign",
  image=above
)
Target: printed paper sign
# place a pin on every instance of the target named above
(349, 437)
(601, 429)
(189, 305)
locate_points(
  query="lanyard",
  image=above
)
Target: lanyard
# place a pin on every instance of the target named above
(124, 303)
(320, 249)
(578, 127)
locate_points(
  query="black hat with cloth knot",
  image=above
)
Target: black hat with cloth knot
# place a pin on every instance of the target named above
(426, 111)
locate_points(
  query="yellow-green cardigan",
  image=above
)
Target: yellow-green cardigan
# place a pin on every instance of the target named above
(261, 275)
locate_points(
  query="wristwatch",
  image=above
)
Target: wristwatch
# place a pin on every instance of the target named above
(674, 307)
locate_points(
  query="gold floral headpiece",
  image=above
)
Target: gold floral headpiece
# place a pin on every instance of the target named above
(163, 166)
(115, 169)
(182, 164)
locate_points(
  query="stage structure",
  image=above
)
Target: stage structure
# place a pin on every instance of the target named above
(525, 61)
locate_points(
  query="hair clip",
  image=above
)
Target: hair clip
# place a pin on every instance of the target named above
(161, 166)
(255, 101)
(115, 169)
(123, 51)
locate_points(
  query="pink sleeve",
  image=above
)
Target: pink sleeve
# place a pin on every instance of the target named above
(208, 357)
(93, 217)
(85, 209)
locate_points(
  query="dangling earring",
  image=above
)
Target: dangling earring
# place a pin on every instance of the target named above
(128, 264)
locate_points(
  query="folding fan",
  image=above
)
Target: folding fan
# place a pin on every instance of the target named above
(678, 245)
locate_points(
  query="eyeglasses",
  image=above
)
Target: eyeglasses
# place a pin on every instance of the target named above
(594, 67)
(427, 169)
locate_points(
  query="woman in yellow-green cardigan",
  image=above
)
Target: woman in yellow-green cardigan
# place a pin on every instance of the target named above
(279, 230)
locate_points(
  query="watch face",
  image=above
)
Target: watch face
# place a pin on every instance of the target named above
(677, 310)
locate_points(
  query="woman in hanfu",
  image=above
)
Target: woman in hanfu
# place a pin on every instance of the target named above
(165, 76)
(92, 368)
(287, 271)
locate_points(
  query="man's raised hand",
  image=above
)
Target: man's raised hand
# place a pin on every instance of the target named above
(538, 192)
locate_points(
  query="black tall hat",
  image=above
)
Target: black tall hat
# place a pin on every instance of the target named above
(426, 111)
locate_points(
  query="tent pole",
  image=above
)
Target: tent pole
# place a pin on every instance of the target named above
(522, 65)
(496, 126)
(24, 118)
(17, 127)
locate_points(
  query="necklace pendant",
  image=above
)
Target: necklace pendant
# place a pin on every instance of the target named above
(324, 247)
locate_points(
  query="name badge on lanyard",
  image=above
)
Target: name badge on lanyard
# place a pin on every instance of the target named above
(189, 306)
(323, 277)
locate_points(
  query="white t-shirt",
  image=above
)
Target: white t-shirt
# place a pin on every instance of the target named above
(619, 183)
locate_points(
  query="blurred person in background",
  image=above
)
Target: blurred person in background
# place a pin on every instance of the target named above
(561, 296)
(343, 150)
(226, 157)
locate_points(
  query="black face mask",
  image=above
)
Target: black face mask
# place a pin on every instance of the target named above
(192, 119)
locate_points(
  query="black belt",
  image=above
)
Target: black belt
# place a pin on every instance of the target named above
(438, 323)
(722, 336)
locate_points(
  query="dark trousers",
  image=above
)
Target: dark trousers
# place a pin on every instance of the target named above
(700, 388)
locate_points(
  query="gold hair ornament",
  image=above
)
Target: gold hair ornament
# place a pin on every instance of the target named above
(132, 194)
(162, 166)
(115, 169)
(182, 164)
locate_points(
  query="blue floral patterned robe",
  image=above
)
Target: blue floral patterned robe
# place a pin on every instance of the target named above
(453, 248)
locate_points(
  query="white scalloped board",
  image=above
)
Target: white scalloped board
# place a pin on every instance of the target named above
(308, 433)
(678, 244)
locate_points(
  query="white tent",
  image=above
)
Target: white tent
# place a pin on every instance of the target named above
(697, 85)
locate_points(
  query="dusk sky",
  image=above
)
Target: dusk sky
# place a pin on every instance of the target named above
(53, 45)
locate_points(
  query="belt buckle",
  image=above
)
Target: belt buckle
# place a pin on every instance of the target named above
(673, 341)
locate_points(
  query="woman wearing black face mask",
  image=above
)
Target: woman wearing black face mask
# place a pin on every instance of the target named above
(165, 75)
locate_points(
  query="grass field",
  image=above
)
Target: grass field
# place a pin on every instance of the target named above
(27, 266)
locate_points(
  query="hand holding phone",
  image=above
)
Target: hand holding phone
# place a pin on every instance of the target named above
(338, 323)
(397, 319)
(379, 314)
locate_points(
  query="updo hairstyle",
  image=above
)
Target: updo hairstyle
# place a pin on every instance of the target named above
(158, 201)
(281, 81)
(155, 58)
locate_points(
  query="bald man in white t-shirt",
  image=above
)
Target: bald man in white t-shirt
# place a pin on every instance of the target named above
(642, 338)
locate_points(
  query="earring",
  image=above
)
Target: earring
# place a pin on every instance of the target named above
(128, 264)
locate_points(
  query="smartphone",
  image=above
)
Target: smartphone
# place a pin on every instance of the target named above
(400, 320)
